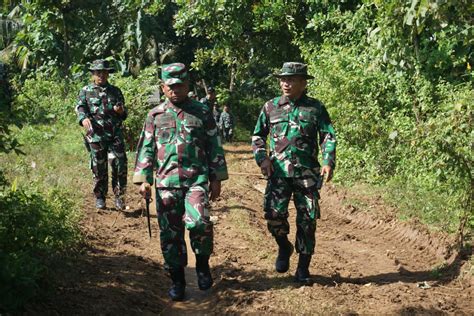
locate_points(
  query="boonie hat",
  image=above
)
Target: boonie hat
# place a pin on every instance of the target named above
(294, 69)
(101, 64)
(174, 73)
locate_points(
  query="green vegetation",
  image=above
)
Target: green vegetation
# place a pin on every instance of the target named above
(40, 210)
(401, 97)
(40, 215)
(395, 76)
(34, 228)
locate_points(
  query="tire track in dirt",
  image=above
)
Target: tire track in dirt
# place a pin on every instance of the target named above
(365, 262)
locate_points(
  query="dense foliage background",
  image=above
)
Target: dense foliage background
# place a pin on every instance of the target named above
(395, 76)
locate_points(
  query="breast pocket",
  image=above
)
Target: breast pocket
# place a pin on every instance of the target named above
(308, 123)
(192, 128)
(165, 129)
(192, 122)
(278, 124)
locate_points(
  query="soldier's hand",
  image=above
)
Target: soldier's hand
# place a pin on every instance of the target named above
(118, 108)
(326, 172)
(215, 190)
(145, 190)
(266, 167)
(87, 124)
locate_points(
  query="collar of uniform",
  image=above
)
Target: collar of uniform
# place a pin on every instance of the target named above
(105, 86)
(178, 107)
(285, 100)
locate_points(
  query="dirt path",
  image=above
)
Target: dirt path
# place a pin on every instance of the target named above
(366, 262)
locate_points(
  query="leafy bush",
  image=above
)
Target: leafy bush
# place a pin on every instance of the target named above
(136, 92)
(398, 123)
(33, 229)
(46, 99)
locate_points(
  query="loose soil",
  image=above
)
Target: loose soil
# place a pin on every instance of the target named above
(366, 261)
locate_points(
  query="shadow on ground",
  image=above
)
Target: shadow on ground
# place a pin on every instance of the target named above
(124, 284)
(258, 280)
(96, 284)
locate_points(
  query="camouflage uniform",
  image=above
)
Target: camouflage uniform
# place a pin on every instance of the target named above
(106, 137)
(180, 142)
(294, 129)
(226, 123)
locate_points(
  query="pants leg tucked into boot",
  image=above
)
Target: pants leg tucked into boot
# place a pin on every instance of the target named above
(176, 291)
(203, 272)
(285, 249)
(302, 271)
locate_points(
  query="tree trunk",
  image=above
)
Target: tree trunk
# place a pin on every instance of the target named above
(66, 48)
(232, 77)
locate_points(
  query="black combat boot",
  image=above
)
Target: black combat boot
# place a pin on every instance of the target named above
(100, 203)
(302, 272)
(285, 249)
(119, 203)
(176, 291)
(203, 273)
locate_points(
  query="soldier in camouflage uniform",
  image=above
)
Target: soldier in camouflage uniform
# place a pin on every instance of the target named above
(296, 124)
(101, 110)
(226, 124)
(180, 141)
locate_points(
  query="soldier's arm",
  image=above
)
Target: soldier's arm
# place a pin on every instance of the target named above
(121, 100)
(327, 139)
(145, 158)
(215, 152)
(82, 108)
(259, 138)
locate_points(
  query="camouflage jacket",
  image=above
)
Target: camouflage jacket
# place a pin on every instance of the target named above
(97, 103)
(294, 129)
(226, 120)
(182, 144)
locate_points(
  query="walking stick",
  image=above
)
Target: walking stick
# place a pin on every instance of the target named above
(147, 200)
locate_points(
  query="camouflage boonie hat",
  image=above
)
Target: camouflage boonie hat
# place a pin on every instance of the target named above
(101, 64)
(174, 73)
(294, 69)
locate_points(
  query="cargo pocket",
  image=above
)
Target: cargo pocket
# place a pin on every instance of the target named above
(316, 209)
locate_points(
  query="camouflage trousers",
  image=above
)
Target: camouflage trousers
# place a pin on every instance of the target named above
(276, 200)
(180, 208)
(227, 134)
(112, 152)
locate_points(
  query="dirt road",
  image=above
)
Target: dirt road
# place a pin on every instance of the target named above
(366, 262)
